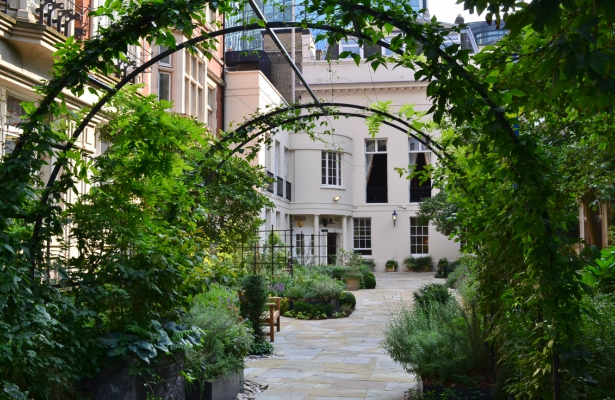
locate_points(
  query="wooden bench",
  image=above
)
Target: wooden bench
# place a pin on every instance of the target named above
(272, 317)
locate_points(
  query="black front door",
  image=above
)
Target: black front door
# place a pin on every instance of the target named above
(331, 248)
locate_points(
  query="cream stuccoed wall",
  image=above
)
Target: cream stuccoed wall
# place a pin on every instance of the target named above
(344, 82)
(313, 205)
(246, 93)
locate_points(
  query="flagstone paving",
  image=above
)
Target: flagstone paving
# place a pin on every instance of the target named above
(341, 359)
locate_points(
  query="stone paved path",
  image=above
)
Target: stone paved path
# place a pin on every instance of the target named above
(339, 359)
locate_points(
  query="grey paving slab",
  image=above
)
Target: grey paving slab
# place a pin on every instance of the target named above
(341, 358)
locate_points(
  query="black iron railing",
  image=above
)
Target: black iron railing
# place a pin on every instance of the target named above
(132, 61)
(280, 187)
(288, 189)
(377, 195)
(279, 249)
(419, 193)
(270, 187)
(58, 14)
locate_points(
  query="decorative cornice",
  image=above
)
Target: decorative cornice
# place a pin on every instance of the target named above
(6, 25)
(366, 87)
(36, 33)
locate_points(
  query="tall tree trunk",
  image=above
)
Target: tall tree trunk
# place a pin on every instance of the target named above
(590, 219)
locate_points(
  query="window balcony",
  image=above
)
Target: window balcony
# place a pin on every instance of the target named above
(419, 193)
(280, 187)
(288, 190)
(377, 195)
(63, 16)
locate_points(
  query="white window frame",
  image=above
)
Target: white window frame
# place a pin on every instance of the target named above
(336, 178)
(421, 232)
(364, 234)
(162, 62)
(387, 52)
(344, 47)
(420, 147)
(211, 107)
(376, 143)
(160, 73)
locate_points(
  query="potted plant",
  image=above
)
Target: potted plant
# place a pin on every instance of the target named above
(411, 264)
(424, 264)
(353, 279)
(391, 265)
(370, 263)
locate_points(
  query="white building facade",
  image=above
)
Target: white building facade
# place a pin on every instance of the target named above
(342, 192)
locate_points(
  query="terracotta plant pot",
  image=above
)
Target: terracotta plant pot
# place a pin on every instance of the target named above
(352, 283)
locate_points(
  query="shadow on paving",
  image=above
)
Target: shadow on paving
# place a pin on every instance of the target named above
(341, 358)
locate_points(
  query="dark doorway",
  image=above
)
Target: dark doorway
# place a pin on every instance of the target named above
(420, 191)
(331, 248)
(377, 184)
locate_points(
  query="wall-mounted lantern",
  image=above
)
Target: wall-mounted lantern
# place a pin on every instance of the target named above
(394, 217)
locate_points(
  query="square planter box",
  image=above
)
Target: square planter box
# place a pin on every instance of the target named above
(353, 283)
(225, 388)
(116, 383)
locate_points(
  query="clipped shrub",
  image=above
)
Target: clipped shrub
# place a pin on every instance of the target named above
(348, 299)
(252, 304)
(370, 281)
(429, 294)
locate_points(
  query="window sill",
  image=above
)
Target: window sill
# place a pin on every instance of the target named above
(332, 187)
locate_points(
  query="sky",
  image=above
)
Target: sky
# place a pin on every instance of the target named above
(447, 10)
